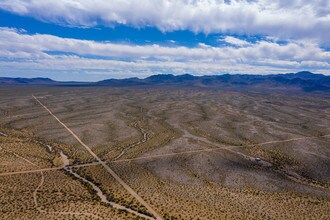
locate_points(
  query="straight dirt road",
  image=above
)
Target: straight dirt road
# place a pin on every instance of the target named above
(228, 148)
(108, 169)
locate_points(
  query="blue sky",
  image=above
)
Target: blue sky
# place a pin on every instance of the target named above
(92, 40)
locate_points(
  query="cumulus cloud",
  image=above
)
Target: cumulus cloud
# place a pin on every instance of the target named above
(141, 68)
(235, 41)
(296, 19)
(38, 45)
(21, 52)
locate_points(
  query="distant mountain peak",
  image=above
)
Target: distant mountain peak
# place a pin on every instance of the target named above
(303, 80)
(305, 75)
(39, 80)
(161, 76)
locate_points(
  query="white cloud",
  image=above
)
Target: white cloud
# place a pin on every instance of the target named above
(143, 68)
(235, 41)
(202, 45)
(22, 52)
(37, 45)
(296, 19)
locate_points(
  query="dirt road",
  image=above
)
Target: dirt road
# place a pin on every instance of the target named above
(228, 148)
(108, 169)
(288, 140)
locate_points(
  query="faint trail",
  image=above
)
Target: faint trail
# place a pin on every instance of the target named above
(145, 138)
(48, 169)
(127, 187)
(42, 180)
(68, 168)
(228, 148)
(30, 171)
(167, 155)
(292, 176)
(26, 160)
(36, 191)
(35, 198)
(288, 173)
(288, 140)
(122, 160)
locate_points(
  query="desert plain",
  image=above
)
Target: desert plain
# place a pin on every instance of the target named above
(97, 152)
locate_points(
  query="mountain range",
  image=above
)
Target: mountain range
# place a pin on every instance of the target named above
(305, 80)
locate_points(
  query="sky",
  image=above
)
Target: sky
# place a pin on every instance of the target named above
(91, 40)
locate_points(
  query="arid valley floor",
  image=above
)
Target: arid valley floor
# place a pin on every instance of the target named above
(165, 153)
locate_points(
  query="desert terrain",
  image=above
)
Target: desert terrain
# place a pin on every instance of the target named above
(98, 152)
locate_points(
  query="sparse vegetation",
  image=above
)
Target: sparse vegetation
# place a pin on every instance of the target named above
(155, 126)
